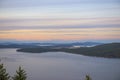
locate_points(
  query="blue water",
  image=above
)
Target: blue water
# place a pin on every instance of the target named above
(60, 65)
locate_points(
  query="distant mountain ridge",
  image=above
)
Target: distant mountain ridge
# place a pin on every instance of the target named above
(27, 45)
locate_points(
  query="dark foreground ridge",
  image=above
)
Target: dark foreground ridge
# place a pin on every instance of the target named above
(111, 50)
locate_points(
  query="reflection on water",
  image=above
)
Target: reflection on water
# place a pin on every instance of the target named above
(60, 65)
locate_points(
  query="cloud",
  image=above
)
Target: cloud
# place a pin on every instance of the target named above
(31, 3)
(12, 24)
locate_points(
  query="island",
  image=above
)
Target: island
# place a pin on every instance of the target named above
(109, 50)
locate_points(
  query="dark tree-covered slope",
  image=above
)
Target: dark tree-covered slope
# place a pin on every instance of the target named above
(111, 50)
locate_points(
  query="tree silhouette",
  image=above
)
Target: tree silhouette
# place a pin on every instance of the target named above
(20, 74)
(3, 74)
(87, 77)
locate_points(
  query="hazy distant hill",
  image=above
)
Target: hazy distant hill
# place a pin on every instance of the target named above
(111, 50)
(15, 45)
(28, 45)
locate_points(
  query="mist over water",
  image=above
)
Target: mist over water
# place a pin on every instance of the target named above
(60, 65)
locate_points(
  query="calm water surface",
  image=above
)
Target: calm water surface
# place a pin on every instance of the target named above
(60, 65)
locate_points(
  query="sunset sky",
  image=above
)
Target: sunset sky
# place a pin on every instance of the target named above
(63, 20)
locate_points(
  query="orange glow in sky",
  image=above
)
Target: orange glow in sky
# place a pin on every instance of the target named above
(61, 34)
(60, 20)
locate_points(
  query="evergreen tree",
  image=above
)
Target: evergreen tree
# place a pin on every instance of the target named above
(88, 77)
(20, 74)
(3, 74)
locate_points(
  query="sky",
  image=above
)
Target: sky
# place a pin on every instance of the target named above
(60, 20)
